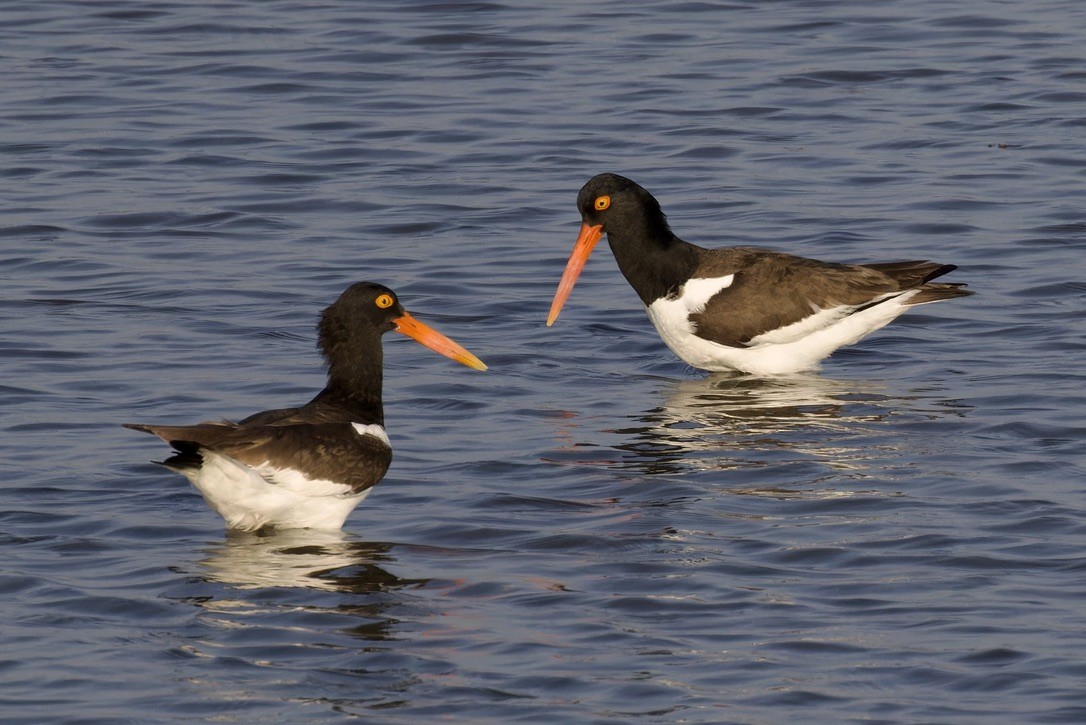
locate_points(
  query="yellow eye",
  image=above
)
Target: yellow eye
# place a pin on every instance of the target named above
(383, 301)
(602, 202)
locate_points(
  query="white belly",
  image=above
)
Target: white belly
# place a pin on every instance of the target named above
(244, 497)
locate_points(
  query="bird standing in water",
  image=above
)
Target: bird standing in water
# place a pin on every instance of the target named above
(741, 308)
(308, 467)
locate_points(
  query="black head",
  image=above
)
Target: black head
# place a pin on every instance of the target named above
(613, 202)
(351, 326)
(362, 306)
(633, 222)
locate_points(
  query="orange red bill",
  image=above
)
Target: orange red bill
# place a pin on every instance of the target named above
(586, 241)
(431, 338)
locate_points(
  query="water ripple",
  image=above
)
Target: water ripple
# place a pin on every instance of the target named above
(591, 531)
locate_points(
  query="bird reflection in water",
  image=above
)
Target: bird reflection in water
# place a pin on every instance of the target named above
(304, 558)
(731, 421)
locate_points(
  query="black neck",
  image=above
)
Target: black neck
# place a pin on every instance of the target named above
(355, 365)
(653, 260)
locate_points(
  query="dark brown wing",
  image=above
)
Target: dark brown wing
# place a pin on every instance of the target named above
(329, 451)
(773, 290)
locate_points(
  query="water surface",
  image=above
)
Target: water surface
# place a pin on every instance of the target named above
(590, 531)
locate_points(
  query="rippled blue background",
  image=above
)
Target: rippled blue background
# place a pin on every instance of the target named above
(590, 531)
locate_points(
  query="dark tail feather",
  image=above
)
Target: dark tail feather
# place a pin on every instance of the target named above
(188, 452)
(912, 274)
(140, 427)
(917, 274)
(938, 292)
(187, 457)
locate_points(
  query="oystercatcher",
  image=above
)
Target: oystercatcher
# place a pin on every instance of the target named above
(741, 308)
(308, 467)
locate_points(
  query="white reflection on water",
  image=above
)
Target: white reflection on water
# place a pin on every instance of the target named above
(728, 422)
(302, 558)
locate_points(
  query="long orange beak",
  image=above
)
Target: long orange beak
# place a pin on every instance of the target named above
(431, 338)
(586, 241)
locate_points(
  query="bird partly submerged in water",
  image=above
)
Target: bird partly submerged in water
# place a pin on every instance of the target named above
(741, 308)
(308, 467)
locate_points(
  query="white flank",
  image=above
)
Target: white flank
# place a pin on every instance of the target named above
(789, 349)
(374, 430)
(249, 498)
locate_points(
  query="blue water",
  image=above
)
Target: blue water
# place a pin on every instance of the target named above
(590, 531)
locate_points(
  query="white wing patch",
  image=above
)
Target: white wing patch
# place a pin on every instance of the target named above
(671, 315)
(697, 292)
(374, 430)
(820, 319)
(296, 481)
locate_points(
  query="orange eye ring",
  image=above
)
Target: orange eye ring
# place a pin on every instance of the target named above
(602, 203)
(383, 301)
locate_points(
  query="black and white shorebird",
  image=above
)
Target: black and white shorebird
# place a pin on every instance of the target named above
(741, 308)
(308, 467)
